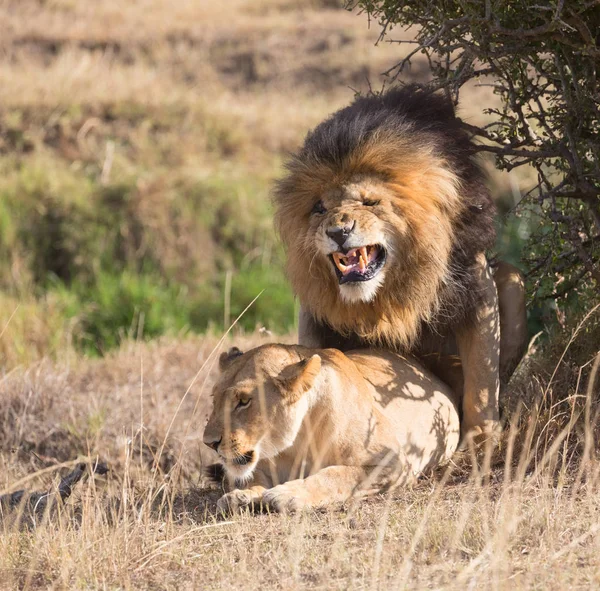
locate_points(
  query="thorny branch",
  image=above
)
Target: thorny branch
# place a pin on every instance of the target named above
(542, 62)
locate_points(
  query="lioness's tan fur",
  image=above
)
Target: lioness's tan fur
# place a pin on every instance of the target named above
(321, 426)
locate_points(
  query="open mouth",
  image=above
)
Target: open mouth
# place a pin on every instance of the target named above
(243, 459)
(359, 264)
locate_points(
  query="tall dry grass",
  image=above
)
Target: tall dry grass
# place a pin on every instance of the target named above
(524, 516)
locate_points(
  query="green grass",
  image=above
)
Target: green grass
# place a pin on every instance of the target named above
(116, 307)
(158, 248)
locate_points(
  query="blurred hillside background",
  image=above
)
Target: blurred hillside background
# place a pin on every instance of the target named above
(138, 144)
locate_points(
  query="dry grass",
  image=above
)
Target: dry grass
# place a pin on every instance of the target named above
(272, 68)
(212, 86)
(530, 521)
(31, 330)
(260, 62)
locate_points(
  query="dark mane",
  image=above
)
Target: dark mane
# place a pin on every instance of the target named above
(397, 110)
(411, 111)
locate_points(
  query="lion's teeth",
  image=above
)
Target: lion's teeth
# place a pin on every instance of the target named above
(338, 261)
(364, 258)
(372, 253)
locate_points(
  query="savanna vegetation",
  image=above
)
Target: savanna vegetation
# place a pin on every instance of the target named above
(137, 149)
(541, 60)
(138, 143)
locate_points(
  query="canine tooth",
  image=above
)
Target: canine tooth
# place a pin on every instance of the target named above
(364, 254)
(361, 262)
(338, 261)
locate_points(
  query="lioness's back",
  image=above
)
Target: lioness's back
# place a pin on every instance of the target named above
(423, 410)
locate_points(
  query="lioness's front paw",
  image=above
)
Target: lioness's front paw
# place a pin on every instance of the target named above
(235, 501)
(286, 499)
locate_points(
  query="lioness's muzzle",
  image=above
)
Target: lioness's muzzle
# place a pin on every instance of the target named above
(244, 459)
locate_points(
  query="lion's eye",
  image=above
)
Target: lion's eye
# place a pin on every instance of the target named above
(371, 202)
(243, 403)
(319, 208)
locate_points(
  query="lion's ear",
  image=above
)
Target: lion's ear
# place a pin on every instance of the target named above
(225, 359)
(298, 378)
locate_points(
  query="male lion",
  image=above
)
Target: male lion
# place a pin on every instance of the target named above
(302, 427)
(385, 218)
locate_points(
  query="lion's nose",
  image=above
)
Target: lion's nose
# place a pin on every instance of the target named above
(339, 234)
(214, 443)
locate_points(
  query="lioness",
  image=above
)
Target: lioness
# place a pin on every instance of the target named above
(298, 427)
(385, 217)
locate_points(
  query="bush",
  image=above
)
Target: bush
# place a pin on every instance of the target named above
(542, 61)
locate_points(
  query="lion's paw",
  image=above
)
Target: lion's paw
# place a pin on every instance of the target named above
(286, 499)
(235, 501)
(480, 435)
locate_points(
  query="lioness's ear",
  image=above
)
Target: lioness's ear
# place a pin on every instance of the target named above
(225, 359)
(298, 378)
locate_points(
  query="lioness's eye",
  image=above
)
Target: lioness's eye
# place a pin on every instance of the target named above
(243, 403)
(371, 202)
(318, 208)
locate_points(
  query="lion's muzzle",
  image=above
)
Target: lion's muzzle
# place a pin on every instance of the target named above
(339, 234)
(244, 459)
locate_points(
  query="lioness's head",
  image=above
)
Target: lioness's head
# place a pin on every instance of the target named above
(370, 208)
(260, 400)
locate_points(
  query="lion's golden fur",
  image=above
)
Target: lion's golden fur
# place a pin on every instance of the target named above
(423, 203)
(428, 187)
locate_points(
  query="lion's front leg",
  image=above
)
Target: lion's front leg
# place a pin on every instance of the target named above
(251, 497)
(334, 484)
(479, 348)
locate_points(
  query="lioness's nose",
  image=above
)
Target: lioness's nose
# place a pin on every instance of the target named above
(341, 232)
(214, 443)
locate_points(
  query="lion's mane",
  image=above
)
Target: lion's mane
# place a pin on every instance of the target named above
(412, 141)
